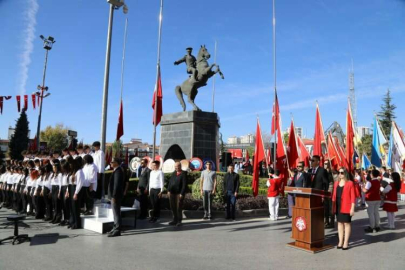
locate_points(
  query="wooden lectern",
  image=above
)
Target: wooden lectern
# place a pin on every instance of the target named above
(308, 219)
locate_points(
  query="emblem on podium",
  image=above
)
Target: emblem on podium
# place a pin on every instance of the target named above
(300, 224)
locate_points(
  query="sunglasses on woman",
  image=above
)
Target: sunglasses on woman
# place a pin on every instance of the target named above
(341, 172)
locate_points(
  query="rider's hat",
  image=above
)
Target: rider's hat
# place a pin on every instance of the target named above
(189, 49)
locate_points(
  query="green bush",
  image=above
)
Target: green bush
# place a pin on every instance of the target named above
(249, 191)
(219, 193)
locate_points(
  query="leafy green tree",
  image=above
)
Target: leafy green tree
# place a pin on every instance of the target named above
(55, 137)
(2, 157)
(387, 114)
(365, 146)
(19, 141)
(117, 148)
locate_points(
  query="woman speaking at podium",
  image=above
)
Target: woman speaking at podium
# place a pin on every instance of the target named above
(343, 200)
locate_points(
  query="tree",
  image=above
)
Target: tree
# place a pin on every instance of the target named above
(55, 137)
(117, 148)
(19, 141)
(365, 146)
(286, 137)
(387, 114)
(1, 157)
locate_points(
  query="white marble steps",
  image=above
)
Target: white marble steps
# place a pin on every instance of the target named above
(103, 219)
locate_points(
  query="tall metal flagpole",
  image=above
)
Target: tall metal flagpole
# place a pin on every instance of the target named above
(213, 79)
(123, 57)
(106, 79)
(42, 100)
(157, 77)
(275, 85)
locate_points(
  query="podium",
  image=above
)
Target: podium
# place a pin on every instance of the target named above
(308, 219)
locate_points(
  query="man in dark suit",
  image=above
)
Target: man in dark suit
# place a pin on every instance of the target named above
(143, 187)
(319, 176)
(176, 191)
(300, 179)
(115, 194)
(231, 189)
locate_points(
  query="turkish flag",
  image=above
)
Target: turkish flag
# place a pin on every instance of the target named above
(259, 156)
(120, 128)
(293, 151)
(25, 102)
(319, 137)
(247, 156)
(18, 103)
(343, 161)
(33, 100)
(304, 152)
(349, 139)
(39, 100)
(1, 105)
(276, 115)
(333, 154)
(281, 158)
(157, 101)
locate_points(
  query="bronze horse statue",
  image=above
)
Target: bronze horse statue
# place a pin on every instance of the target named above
(191, 85)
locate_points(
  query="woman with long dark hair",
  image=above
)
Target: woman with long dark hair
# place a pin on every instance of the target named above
(344, 200)
(47, 192)
(22, 193)
(56, 185)
(76, 192)
(39, 200)
(65, 200)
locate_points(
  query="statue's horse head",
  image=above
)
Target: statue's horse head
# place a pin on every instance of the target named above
(203, 54)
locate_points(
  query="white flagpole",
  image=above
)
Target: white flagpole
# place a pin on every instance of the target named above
(157, 77)
(123, 56)
(213, 79)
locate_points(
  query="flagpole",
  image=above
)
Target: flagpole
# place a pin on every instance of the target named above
(123, 57)
(213, 79)
(275, 85)
(157, 78)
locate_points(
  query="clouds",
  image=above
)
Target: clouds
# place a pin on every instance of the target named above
(28, 44)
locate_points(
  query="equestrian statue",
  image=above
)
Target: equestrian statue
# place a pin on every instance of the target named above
(200, 72)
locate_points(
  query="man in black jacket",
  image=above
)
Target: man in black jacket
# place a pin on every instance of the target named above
(115, 194)
(231, 189)
(300, 179)
(143, 187)
(176, 191)
(319, 176)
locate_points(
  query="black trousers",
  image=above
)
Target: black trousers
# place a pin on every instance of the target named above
(75, 213)
(56, 204)
(23, 200)
(99, 190)
(29, 200)
(327, 206)
(116, 207)
(155, 201)
(90, 195)
(39, 203)
(9, 196)
(143, 201)
(48, 203)
(66, 204)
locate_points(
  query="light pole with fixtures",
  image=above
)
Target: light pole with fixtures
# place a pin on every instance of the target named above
(48, 42)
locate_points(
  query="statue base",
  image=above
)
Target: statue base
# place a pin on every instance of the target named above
(189, 134)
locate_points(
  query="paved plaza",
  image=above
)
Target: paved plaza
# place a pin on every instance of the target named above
(254, 243)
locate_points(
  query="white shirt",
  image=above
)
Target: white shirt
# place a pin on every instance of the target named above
(56, 180)
(90, 175)
(99, 160)
(79, 181)
(64, 181)
(156, 179)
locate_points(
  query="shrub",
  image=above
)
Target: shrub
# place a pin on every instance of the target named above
(219, 194)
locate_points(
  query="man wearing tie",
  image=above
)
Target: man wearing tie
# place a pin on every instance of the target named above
(300, 179)
(319, 176)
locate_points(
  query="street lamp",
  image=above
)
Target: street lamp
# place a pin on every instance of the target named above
(48, 42)
(114, 4)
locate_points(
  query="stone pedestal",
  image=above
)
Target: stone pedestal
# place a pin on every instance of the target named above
(185, 135)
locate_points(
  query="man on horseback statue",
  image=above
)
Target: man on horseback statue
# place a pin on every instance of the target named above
(190, 61)
(201, 72)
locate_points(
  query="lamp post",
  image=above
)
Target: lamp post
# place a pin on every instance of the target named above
(48, 42)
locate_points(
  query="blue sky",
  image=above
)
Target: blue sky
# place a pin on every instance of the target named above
(316, 41)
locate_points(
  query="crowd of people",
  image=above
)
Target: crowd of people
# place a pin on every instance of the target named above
(59, 187)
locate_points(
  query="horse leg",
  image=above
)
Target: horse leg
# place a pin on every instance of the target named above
(220, 72)
(180, 97)
(191, 98)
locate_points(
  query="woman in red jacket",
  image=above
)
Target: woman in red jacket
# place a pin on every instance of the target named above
(343, 199)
